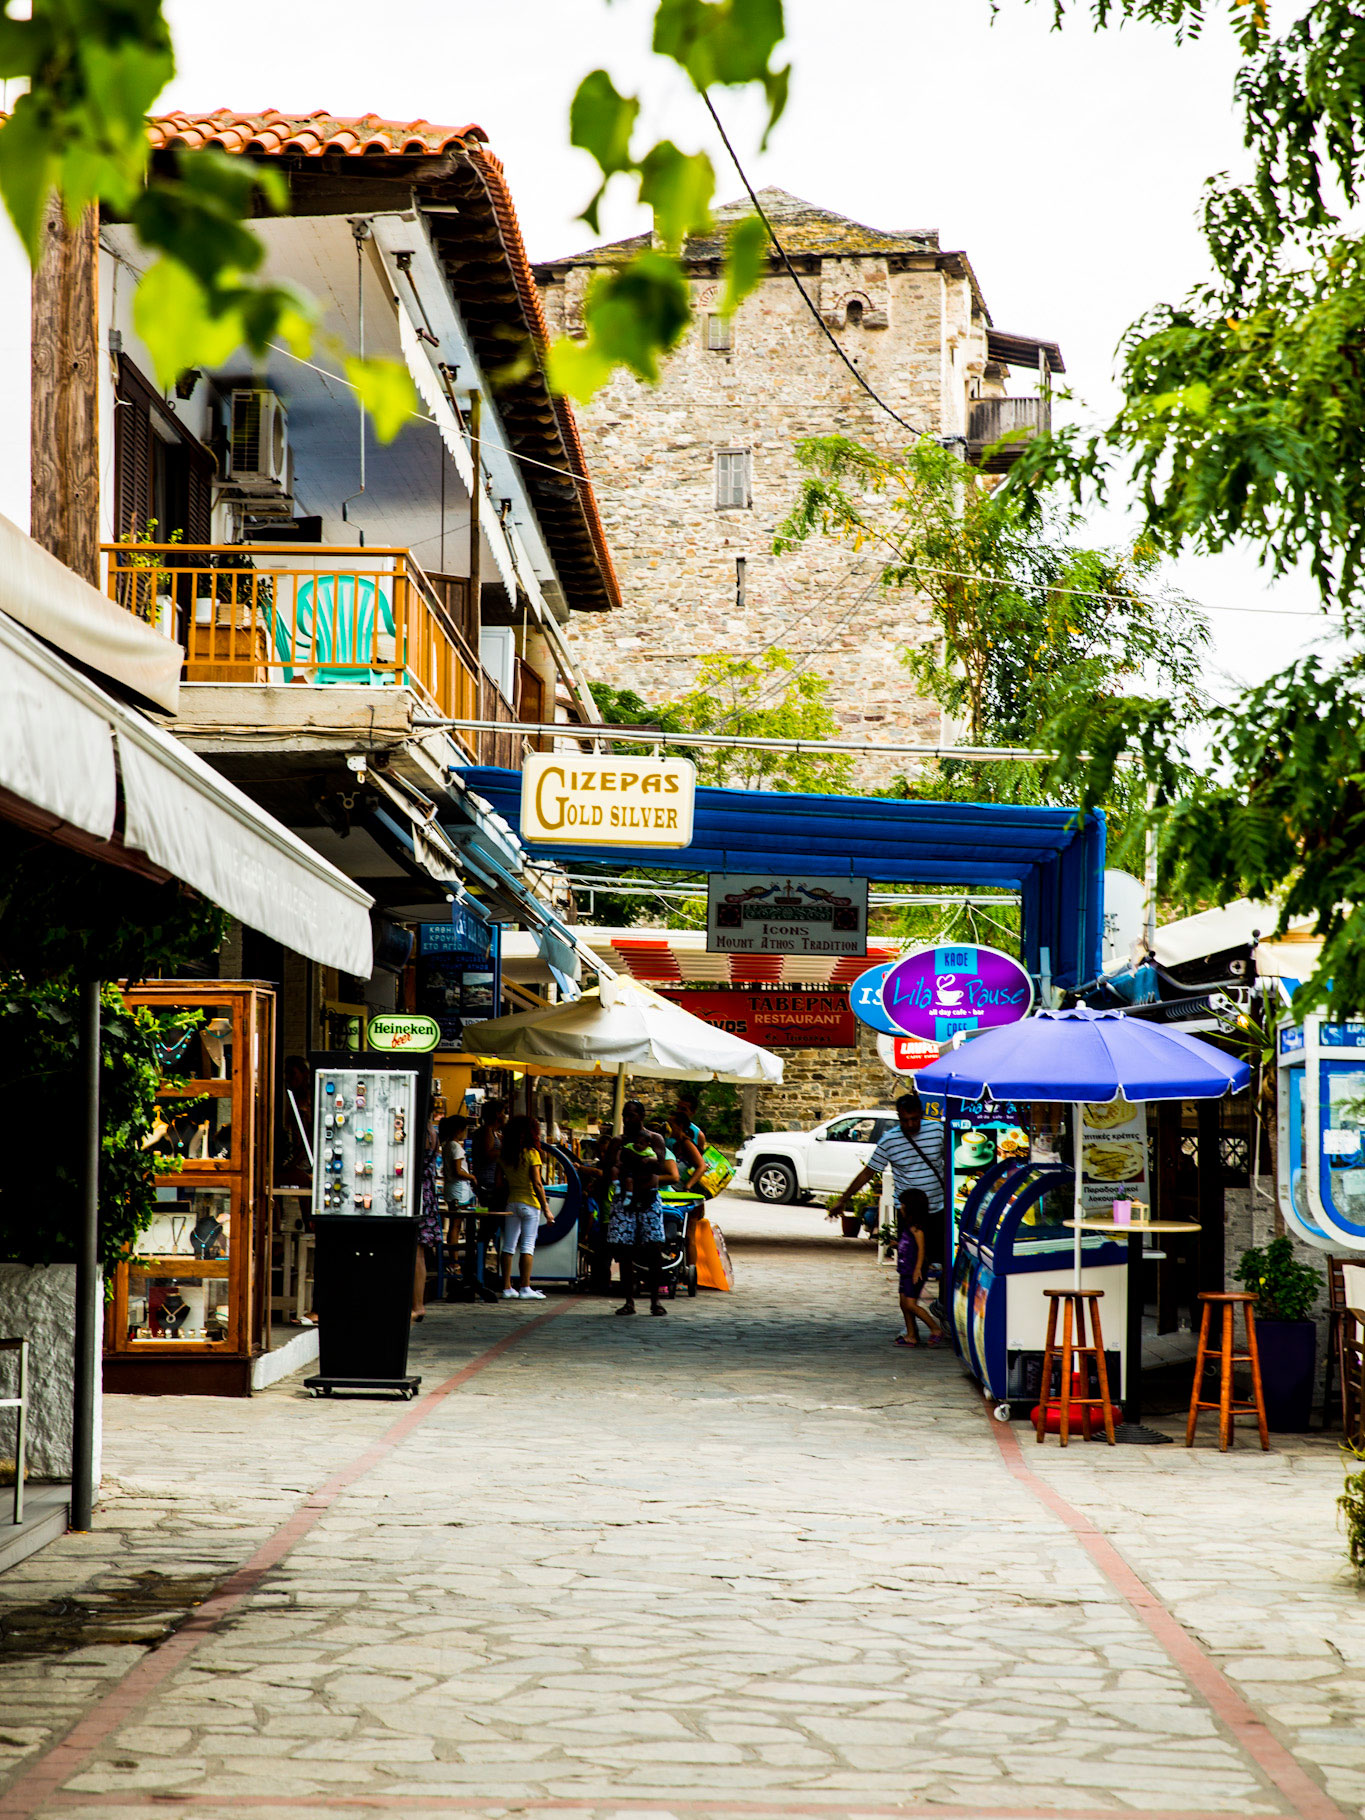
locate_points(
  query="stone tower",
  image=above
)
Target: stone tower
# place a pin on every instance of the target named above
(694, 475)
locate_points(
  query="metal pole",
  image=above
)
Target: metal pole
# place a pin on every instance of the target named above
(618, 1100)
(86, 1362)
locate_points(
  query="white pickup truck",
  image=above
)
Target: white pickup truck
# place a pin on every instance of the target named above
(789, 1165)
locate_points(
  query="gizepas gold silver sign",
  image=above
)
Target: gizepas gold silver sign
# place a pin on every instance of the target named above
(607, 802)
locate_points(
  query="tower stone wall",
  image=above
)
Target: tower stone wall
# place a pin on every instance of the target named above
(700, 577)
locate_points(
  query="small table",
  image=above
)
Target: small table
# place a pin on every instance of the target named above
(1133, 1231)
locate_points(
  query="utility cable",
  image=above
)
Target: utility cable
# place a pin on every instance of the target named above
(820, 322)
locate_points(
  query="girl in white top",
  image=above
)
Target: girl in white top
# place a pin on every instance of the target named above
(456, 1175)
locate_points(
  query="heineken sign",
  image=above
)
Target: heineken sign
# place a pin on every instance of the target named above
(403, 1030)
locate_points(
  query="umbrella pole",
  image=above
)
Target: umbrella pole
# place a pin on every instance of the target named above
(1077, 1159)
(618, 1101)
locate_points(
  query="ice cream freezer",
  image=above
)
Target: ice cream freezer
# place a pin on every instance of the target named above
(1321, 1149)
(1013, 1243)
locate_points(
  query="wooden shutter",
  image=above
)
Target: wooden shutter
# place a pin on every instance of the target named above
(132, 452)
(199, 497)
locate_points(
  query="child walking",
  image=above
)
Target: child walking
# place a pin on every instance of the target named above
(912, 1262)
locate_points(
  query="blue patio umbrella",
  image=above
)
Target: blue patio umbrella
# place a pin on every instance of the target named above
(1084, 1057)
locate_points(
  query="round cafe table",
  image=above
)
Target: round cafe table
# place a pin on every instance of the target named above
(1133, 1231)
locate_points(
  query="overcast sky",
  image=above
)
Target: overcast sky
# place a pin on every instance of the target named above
(1068, 165)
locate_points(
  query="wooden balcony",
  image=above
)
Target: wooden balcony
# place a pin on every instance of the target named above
(1007, 422)
(317, 616)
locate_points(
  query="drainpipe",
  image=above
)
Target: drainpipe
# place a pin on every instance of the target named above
(86, 1338)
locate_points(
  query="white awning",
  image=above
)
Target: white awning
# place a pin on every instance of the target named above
(53, 601)
(58, 736)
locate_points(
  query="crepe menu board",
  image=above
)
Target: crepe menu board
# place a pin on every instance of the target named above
(1114, 1154)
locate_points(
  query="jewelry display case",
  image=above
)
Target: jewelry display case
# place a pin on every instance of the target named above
(189, 1310)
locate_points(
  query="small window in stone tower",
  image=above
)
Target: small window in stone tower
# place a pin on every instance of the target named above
(718, 334)
(854, 313)
(732, 478)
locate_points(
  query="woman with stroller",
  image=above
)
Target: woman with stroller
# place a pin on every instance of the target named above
(636, 1163)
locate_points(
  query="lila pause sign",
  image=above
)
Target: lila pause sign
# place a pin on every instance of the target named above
(935, 992)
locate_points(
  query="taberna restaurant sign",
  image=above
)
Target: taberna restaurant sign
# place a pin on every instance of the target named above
(571, 798)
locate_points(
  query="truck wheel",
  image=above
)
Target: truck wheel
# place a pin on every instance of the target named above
(774, 1180)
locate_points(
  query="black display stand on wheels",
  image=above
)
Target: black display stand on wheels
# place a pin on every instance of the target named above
(370, 1115)
(362, 1293)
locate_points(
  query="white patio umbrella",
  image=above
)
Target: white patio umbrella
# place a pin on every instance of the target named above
(624, 1028)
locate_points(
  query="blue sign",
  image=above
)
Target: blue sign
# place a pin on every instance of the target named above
(865, 999)
(1342, 1036)
(465, 934)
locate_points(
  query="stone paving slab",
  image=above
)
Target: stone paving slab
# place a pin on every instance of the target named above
(751, 1557)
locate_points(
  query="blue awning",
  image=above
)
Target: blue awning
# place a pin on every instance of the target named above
(1057, 866)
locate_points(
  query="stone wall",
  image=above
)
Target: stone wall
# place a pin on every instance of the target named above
(817, 1083)
(37, 1304)
(652, 454)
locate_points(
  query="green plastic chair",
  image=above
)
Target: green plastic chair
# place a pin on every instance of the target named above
(332, 631)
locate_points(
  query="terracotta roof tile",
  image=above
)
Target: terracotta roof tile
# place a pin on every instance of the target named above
(314, 135)
(539, 424)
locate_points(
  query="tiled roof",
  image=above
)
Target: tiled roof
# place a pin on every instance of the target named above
(316, 135)
(802, 227)
(486, 264)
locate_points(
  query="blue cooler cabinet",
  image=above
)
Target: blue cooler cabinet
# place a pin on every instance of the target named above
(1012, 1245)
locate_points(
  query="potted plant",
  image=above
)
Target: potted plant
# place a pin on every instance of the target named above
(1286, 1335)
(861, 1213)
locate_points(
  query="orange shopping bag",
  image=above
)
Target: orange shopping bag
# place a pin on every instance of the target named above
(714, 1269)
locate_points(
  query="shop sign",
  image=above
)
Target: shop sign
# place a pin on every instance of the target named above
(403, 1030)
(865, 999)
(903, 1054)
(466, 933)
(776, 1020)
(935, 992)
(1113, 1153)
(748, 914)
(607, 802)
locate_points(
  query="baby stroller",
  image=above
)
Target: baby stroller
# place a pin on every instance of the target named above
(675, 1273)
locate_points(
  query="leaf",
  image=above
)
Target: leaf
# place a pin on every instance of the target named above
(746, 255)
(28, 171)
(601, 122)
(173, 314)
(386, 391)
(635, 314)
(730, 42)
(678, 186)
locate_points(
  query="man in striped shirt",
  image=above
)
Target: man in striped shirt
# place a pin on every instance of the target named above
(913, 1151)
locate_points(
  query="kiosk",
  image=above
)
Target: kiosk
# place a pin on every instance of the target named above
(1321, 1149)
(1014, 1242)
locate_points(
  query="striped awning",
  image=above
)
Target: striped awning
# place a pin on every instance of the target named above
(678, 957)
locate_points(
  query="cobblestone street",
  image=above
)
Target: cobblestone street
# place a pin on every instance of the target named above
(748, 1559)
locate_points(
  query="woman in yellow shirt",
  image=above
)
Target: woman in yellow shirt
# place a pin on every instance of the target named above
(527, 1207)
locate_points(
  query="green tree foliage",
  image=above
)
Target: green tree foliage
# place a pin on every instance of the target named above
(40, 1194)
(94, 70)
(1026, 617)
(1243, 420)
(763, 697)
(1027, 622)
(64, 919)
(637, 312)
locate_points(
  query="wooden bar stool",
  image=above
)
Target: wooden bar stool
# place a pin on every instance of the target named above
(1075, 1347)
(1229, 1302)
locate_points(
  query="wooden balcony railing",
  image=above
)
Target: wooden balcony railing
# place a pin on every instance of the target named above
(1008, 422)
(264, 613)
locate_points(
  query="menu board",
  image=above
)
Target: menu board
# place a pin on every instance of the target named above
(1114, 1154)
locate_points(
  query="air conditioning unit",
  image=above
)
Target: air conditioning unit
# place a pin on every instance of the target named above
(258, 442)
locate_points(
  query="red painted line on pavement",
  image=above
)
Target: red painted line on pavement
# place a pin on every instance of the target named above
(1307, 1797)
(44, 1777)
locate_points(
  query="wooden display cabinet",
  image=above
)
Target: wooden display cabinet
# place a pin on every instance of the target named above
(190, 1309)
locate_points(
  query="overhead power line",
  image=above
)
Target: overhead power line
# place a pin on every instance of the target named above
(651, 736)
(792, 273)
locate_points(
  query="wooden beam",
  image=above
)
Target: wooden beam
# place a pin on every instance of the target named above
(64, 433)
